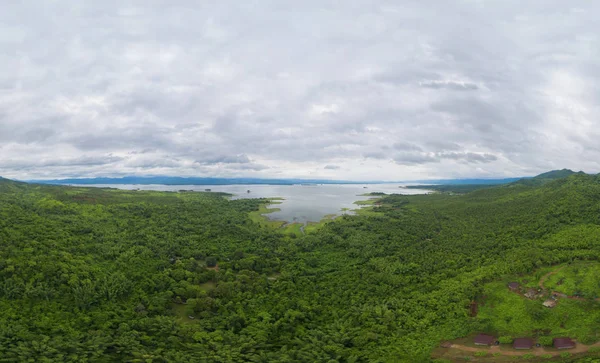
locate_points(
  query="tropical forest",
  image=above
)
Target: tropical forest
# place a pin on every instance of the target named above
(105, 275)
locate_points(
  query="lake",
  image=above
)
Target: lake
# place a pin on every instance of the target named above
(302, 203)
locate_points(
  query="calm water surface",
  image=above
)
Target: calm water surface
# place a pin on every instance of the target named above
(302, 203)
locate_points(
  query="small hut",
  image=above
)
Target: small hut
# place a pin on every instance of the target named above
(531, 293)
(513, 286)
(563, 343)
(523, 343)
(484, 339)
(550, 303)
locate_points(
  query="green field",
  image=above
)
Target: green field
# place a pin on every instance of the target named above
(503, 312)
(576, 280)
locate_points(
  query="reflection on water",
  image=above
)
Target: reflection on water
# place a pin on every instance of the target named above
(302, 203)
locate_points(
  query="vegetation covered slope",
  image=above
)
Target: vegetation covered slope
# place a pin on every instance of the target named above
(103, 275)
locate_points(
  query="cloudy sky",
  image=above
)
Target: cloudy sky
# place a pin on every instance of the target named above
(345, 89)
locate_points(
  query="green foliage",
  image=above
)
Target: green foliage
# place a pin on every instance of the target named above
(546, 356)
(105, 275)
(565, 355)
(505, 340)
(211, 261)
(481, 354)
(452, 188)
(581, 280)
(545, 341)
(528, 356)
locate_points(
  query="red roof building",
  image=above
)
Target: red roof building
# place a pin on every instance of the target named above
(523, 343)
(513, 285)
(484, 339)
(563, 343)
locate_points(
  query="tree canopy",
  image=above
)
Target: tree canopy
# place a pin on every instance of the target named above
(99, 275)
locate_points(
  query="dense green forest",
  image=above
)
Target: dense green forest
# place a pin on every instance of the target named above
(101, 275)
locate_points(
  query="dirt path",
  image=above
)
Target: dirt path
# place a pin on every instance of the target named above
(579, 348)
(545, 277)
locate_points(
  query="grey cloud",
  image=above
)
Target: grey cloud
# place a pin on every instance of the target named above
(453, 85)
(375, 155)
(252, 166)
(177, 88)
(412, 158)
(440, 145)
(226, 159)
(331, 167)
(408, 158)
(406, 146)
(469, 157)
(84, 161)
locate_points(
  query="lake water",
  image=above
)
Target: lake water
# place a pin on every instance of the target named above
(302, 203)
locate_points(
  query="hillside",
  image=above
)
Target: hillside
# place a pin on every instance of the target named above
(548, 177)
(98, 274)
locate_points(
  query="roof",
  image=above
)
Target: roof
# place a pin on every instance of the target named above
(563, 343)
(484, 339)
(550, 303)
(531, 293)
(513, 285)
(523, 343)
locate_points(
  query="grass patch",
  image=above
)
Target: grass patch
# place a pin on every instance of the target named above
(181, 313)
(368, 211)
(511, 314)
(579, 279)
(371, 201)
(260, 218)
(294, 228)
(207, 286)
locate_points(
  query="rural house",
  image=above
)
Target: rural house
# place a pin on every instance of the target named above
(563, 343)
(523, 343)
(484, 339)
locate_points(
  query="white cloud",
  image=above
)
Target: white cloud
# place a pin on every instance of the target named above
(298, 89)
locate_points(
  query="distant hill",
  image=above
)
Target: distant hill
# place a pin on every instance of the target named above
(469, 181)
(557, 174)
(548, 177)
(8, 181)
(10, 185)
(468, 185)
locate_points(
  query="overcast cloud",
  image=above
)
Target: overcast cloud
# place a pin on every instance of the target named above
(373, 89)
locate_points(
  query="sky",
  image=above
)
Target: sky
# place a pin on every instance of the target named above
(337, 89)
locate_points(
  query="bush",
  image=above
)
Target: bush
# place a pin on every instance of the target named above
(528, 356)
(545, 341)
(588, 340)
(497, 354)
(594, 350)
(565, 355)
(546, 356)
(505, 340)
(480, 354)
